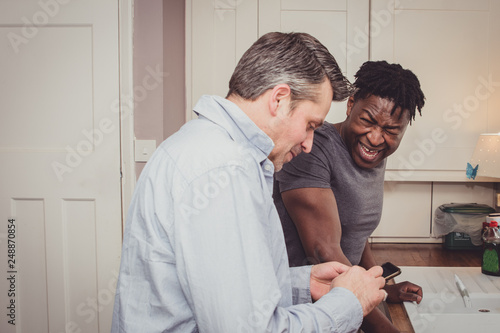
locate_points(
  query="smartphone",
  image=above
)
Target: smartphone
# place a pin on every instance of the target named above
(390, 271)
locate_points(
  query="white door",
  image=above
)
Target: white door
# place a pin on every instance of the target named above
(60, 212)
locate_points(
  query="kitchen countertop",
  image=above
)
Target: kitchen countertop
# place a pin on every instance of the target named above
(411, 254)
(442, 308)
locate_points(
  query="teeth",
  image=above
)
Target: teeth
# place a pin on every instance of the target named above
(369, 152)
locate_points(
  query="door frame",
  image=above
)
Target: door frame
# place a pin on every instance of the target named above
(126, 103)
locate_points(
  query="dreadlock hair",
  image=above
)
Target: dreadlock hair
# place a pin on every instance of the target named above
(390, 81)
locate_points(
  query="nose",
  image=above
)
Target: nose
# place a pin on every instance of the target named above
(375, 136)
(308, 142)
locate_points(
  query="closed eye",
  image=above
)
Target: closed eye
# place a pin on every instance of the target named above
(314, 126)
(392, 131)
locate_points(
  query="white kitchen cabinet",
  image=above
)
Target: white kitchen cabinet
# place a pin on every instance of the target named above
(219, 32)
(451, 45)
(409, 207)
(342, 26)
(453, 48)
(406, 213)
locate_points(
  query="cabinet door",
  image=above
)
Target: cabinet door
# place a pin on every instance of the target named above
(217, 34)
(342, 26)
(406, 214)
(453, 48)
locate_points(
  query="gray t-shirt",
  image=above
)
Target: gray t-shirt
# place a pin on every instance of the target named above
(359, 193)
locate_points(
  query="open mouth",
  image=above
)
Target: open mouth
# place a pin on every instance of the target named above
(369, 154)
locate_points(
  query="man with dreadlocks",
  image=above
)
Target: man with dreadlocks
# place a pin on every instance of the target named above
(330, 200)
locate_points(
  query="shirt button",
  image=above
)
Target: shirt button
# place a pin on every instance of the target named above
(267, 167)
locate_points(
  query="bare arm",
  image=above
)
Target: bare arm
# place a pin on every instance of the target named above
(314, 212)
(367, 259)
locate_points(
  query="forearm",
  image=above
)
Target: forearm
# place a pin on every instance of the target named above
(327, 252)
(367, 259)
(376, 321)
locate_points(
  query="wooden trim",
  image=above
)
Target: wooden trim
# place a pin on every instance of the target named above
(419, 240)
(126, 104)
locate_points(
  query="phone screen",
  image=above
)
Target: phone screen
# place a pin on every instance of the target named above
(390, 270)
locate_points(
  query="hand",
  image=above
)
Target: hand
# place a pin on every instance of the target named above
(403, 291)
(322, 276)
(365, 284)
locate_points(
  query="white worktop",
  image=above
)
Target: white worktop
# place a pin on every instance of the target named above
(442, 308)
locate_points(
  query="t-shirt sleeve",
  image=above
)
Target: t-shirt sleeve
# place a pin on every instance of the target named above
(307, 170)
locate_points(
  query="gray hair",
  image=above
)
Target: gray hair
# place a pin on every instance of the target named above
(296, 59)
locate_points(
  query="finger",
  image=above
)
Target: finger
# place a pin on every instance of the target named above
(376, 271)
(381, 282)
(339, 267)
(413, 288)
(410, 297)
(417, 291)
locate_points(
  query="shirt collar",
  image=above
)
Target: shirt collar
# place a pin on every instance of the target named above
(239, 126)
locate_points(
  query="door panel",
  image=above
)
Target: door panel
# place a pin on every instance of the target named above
(62, 57)
(60, 164)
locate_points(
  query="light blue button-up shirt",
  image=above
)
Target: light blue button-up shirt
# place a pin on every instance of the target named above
(203, 247)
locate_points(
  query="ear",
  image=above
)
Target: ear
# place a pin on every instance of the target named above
(280, 94)
(350, 104)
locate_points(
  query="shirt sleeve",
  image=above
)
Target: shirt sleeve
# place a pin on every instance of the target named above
(341, 297)
(307, 170)
(301, 292)
(227, 267)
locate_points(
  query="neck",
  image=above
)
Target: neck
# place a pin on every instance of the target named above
(255, 110)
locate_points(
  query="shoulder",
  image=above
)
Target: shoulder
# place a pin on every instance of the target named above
(327, 135)
(201, 146)
(325, 144)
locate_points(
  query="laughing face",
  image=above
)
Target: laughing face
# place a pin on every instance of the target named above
(370, 132)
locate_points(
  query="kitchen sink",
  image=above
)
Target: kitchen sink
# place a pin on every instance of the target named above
(443, 310)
